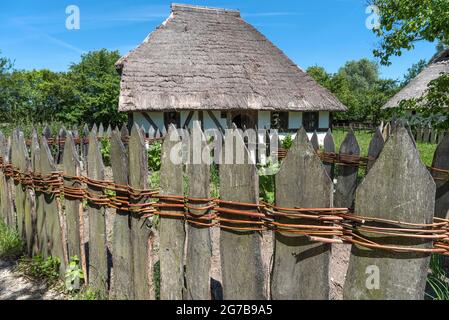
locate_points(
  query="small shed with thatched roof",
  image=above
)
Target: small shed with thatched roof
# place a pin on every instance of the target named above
(418, 86)
(210, 65)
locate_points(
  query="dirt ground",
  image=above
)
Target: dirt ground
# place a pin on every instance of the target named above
(14, 286)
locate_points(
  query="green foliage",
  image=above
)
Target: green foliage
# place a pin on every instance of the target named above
(215, 181)
(405, 22)
(267, 180)
(157, 279)
(87, 293)
(74, 275)
(87, 93)
(154, 156)
(105, 150)
(358, 86)
(437, 280)
(46, 270)
(11, 245)
(287, 142)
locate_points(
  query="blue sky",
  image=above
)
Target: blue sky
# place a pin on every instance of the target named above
(326, 32)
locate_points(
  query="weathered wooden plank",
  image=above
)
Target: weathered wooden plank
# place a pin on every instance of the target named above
(100, 133)
(142, 235)
(241, 263)
(122, 258)
(50, 207)
(5, 200)
(18, 162)
(73, 206)
(375, 147)
(85, 145)
(301, 267)
(41, 231)
(314, 141)
(125, 134)
(172, 231)
(199, 248)
(9, 187)
(347, 175)
(61, 137)
(400, 188)
(441, 161)
(329, 147)
(109, 131)
(34, 167)
(97, 258)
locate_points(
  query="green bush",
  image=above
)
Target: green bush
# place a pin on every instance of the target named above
(39, 268)
(11, 245)
(154, 156)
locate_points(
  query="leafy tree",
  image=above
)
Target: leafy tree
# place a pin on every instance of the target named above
(96, 85)
(404, 22)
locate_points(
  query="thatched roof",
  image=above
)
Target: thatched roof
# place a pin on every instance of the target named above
(204, 58)
(418, 86)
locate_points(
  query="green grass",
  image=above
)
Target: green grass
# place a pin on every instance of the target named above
(426, 150)
(437, 281)
(11, 245)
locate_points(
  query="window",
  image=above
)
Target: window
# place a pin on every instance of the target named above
(172, 117)
(279, 121)
(223, 114)
(310, 121)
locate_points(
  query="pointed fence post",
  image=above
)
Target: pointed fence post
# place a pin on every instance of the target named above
(100, 134)
(199, 247)
(241, 262)
(18, 162)
(73, 206)
(347, 175)
(61, 137)
(301, 267)
(9, 188)
(125, 135)
(122, 258)
(141, 235)
(314, 141)
(329, 147)
(35, 167)
(441, 162)
(398, 188)
(374, 149)
(5, 196)
(41, 230)
(85, 145)
(50, 207)
(172, 230)
(97, 257)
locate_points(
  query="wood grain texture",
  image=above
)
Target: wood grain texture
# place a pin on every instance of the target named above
(97, 257)
(50, 207)
(199, 248)
(398, 187)
(122, 258)
(301, 267)
(347, 175)
(141, 227)
(172, 230)
(241, 262)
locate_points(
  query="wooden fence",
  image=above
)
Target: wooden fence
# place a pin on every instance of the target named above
(62, 202)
